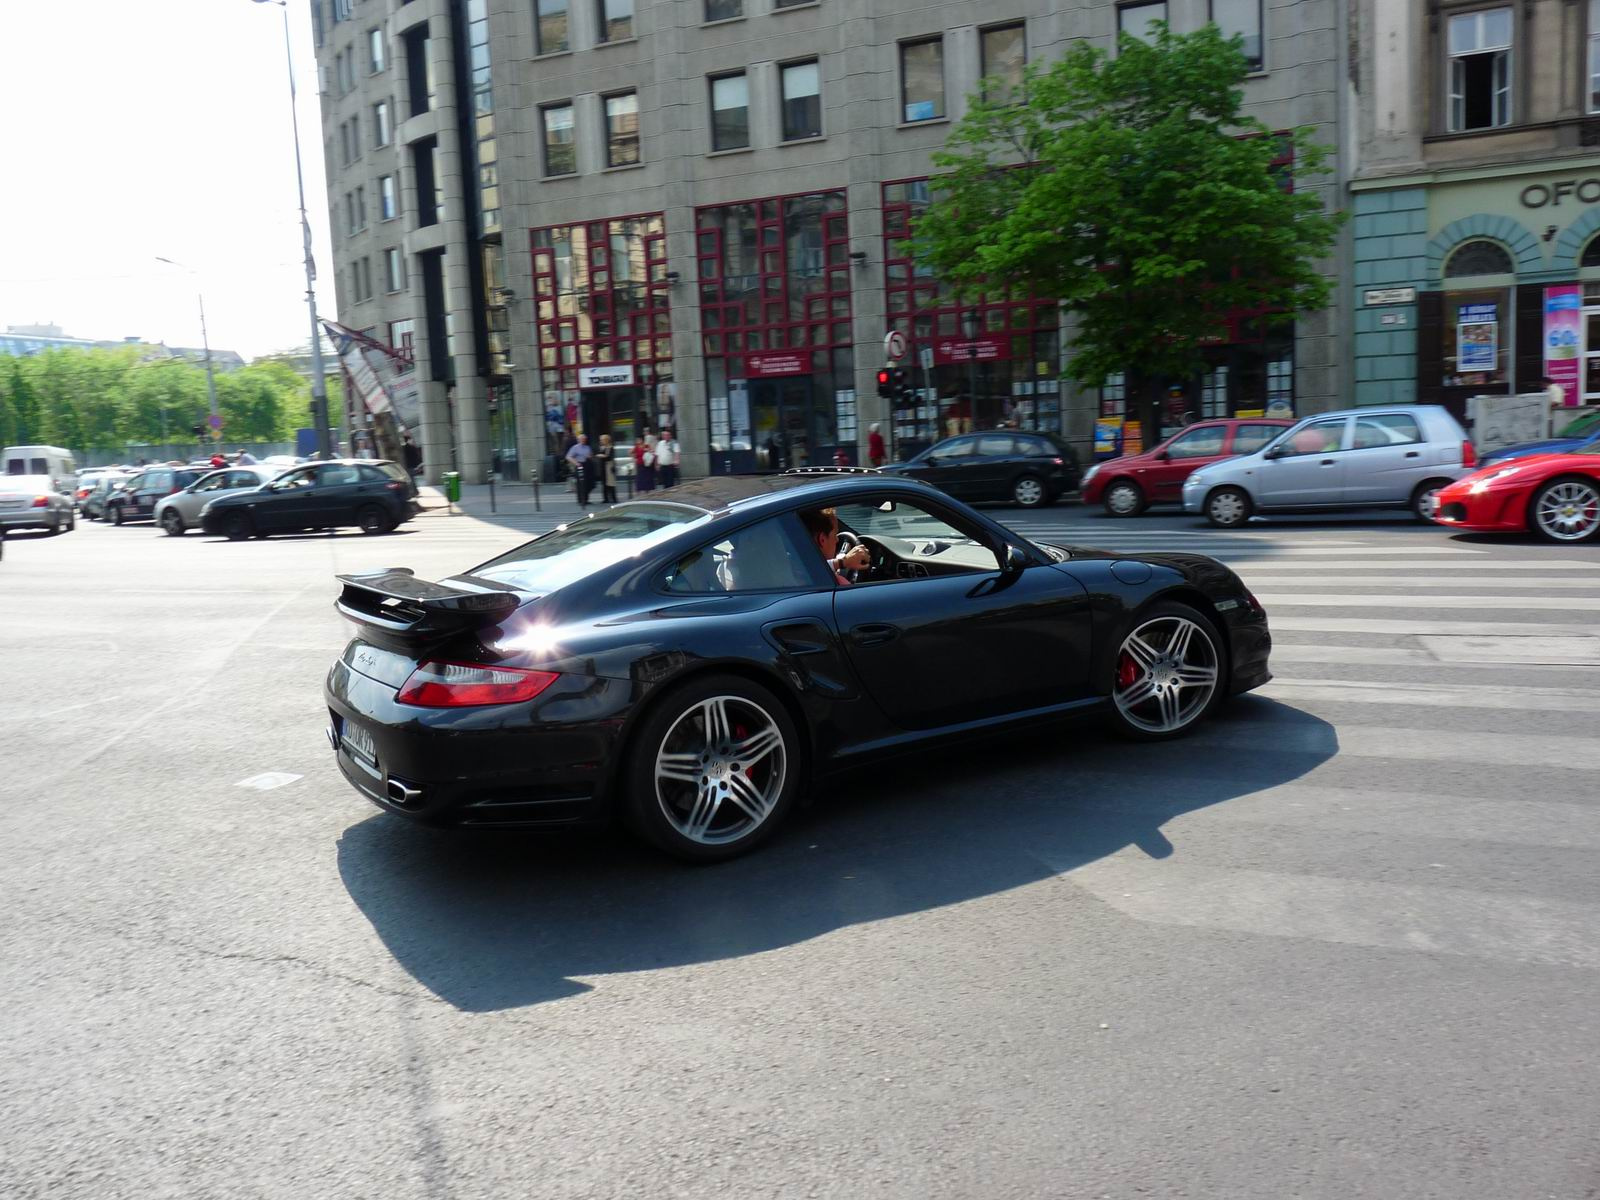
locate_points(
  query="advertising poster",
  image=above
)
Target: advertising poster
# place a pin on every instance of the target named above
(1133, 438)
(1106, 432)
(1563, 338)
(1477, 338)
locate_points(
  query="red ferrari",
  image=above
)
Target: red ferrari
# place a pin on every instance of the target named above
(1556, 496)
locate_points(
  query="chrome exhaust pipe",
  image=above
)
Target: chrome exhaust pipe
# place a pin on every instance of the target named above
(401, 793)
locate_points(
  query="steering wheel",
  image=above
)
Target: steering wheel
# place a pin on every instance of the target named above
(846, 543)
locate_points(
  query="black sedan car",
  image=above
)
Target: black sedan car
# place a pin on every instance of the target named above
(1028, 469)
(691, 662)
(373, 495)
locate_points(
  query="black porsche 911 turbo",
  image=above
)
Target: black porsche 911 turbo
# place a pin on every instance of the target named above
(689, 663)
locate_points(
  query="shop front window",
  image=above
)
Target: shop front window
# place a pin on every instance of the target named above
(1474, 349)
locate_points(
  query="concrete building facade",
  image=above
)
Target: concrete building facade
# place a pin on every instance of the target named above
(620, 214)
(1475, 199)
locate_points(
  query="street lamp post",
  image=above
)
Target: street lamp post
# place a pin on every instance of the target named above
(969, 327)
(205, 342)
(319, 381)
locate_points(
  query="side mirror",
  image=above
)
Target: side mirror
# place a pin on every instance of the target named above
(1164, 455)
(1015, 561)
(1272, 452)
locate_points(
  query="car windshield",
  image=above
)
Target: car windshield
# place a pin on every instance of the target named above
(1582, 427)
(1592, 448)
(586, 546)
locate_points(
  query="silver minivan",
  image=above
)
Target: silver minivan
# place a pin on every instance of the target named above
(1378, 457)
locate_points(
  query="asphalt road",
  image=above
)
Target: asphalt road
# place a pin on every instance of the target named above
(1343, 943)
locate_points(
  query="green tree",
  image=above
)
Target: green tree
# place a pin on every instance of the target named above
(162, 400)
(255, 400)
(1136, 191)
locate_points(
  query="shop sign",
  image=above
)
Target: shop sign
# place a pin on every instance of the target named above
(989, 348)
(1405, 295)
(1477, 338)
(1563, 324)
(766, 366)
(618, 375)
(1539, 195)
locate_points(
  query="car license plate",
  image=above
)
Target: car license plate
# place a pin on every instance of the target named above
(358, 741)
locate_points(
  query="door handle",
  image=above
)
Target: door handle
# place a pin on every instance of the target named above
(1413, 454)
(1329, 462)
(874, 635)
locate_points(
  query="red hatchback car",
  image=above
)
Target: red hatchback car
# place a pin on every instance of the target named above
(1130, 484)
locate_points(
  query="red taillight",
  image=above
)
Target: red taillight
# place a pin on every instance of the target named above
(41, 501)
(1059, 462)
(439, 684)
(395, 487)
(1469, 455)
(1253, 604)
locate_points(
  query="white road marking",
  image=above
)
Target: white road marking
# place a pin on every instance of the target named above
(1433, 695)
(267, 781)
(1567, 604)
(1556, 650)
(1437, 583)
(1432, 920)
(1361, 564)
(1294, 652)
(1380, 625)
(1578, 753)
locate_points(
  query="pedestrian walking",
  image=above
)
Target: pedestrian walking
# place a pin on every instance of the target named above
(667, 458)
(605, 460)
(582, 469)
(645, 456)
(411, 453)
(875, 451)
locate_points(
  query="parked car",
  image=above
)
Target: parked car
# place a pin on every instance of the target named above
(52, 462)
(93, 505)
(32, 502)
(1029, 469)
(375, 495)
(177, 512)
(1575, 435)
(1395, 457)
(689, 662)
(1128, 485)
(1556, 496)
(137, 498)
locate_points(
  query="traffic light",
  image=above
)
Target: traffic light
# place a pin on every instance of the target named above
(197, 429)
(888, 387)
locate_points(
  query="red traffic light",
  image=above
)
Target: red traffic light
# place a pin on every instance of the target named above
(886, 386)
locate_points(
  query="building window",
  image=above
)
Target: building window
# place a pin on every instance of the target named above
(551, 26)
(345, 63)
(791, 3)
(560, 150)
(723, 10)
(430, 196)
(1138, 20)
(349, 213)
(1479, 258)
(316, 23)
(1242, 18)
(381, 132)
(1480, 69)
(730, 112)
(1594, 55)
(388, 199)
(394, 271)
(922, 80)
(377, 55)
(361, 207)
(403, 337)
(341, 10)
(616, 20)
(1003, 51)
(802, 101)
(622, 130)
(419, 69)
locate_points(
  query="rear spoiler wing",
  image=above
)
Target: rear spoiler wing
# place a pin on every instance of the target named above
(395, 602)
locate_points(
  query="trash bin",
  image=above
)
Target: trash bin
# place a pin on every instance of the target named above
(452, 486)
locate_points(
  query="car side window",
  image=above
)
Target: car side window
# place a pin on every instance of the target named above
(299, 479)
(212, 483)
(372, 475)
(1035, 447)
(995, 445)
(158, 479)
(1386, 429)
(243, 479)
(1247, 439)
(1319, 437)
(955, 448)
(337, 476)
(760, 558)
(918, 539)
(1197, 443)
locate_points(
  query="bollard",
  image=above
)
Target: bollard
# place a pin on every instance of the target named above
(492, 508)
(452, 489)
(537, 507)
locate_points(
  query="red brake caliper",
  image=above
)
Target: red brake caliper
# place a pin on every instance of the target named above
(1127, 672)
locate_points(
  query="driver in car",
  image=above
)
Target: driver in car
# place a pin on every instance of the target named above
(823, 526)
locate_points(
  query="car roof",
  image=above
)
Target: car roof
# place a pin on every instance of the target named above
(821, 485)
(1369, 410)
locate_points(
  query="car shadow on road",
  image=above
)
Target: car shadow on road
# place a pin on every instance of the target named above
(489, 922)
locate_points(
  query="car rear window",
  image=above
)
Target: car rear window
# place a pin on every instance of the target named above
(995, 445)
(374, 475)
(1038, 447)
(585, 546)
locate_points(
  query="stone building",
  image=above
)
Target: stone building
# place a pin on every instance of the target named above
(609, 215)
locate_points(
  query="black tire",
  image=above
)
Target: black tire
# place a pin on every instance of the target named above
(1576, 534)
(1228, 507)
(1166, 610)
(1124, 498)
(1029, 491)
(58, 528)
(645, 806)
(72, 521)
(236, 527)
(373, 520)
(172, 522)
(116, 515)
(1424, 499)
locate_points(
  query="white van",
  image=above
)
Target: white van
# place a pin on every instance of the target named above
(42, 460)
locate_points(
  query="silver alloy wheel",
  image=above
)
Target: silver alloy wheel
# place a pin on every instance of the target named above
(1166, 674)
(1428, 503)
(1028, 491)
(1225, 508)
(1123, 499)
(720, 770)
(1568, 511)
(172, 522)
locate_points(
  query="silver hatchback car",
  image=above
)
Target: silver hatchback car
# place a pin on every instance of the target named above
(1379, 457)
(177, 512)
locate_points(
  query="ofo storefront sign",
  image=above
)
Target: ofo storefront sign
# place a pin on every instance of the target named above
(1552, 195)
(606, 377)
